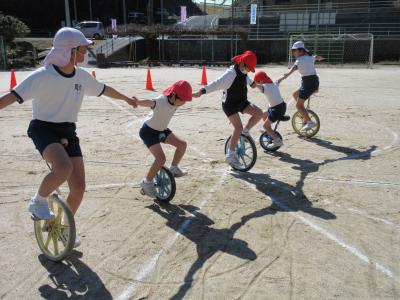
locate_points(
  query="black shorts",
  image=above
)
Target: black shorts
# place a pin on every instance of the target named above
(309, 85)
(233, 108)
(45, 133)
(152, 137)
(276, 112)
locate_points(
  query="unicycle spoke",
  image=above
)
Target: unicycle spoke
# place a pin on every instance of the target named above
(55, 244)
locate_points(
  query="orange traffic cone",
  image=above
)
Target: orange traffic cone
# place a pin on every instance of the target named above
(13, 81)
(204, 76)
(149, 83)
(94, 73)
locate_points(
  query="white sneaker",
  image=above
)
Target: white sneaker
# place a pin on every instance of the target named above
(77, 242)
(149, 189)
(177, 172)
(246, 132)
(232, 159)
(275, 143)
(310, 125)
(40, 209)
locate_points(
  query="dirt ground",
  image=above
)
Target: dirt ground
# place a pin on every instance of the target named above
(320, 219)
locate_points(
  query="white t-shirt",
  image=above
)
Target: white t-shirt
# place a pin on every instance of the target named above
(305, 65)
(224, 82)
(162, 114)
(271, 90)
(57, 97)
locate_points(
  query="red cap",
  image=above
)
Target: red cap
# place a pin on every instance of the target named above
(182, 89)
(247, 57)
(262, 76)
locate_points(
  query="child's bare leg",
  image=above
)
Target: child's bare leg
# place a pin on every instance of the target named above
(256, 115)
(180, 145)
(268, 129)
(158, 163)
(302, 110)
(61, 169)
(76, 184)
(265, 116)
(238, 128)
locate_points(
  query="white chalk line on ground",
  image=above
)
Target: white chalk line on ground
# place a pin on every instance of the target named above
(353, 250)
(364, 214)
(148, 267)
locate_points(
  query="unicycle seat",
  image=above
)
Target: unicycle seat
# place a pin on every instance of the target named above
(284, 118)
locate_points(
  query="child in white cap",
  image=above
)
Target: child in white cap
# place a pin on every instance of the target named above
(57, 90)
(309, 79)
(155, 131)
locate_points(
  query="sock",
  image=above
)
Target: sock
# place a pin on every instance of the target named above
(245, 130)
(147, 181)
(175, 166)
(39, 198)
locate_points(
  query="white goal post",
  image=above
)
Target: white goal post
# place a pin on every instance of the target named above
(342, 48)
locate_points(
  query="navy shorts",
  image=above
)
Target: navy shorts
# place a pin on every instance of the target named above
(233, 108)
(45, 133)
(276, 112)
(152, 137)
(309, 84)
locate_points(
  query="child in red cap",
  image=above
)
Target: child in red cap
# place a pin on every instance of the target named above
(277, 106)
(155, 131)
(234, 99)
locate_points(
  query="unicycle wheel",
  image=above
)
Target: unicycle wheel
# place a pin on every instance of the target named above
(298, 123)
(165, 185)
(246, 152)
(56, 237)
(266, 139)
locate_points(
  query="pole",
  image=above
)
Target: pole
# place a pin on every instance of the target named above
(232, 29)
(317, 27)
(90, 10)
(124, 11)
(162, 29)
(75, 12)
(67, 16)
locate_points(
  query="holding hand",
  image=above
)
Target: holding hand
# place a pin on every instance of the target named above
(319, 58)
(132, 101)
(197, 94)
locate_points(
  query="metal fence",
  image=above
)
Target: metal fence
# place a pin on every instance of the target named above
(3, 54)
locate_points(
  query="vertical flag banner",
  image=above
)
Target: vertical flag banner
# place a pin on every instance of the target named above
(183, 14)
(253, 14)
(114, 24)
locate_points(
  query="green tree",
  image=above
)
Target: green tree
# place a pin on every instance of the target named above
(11, 27)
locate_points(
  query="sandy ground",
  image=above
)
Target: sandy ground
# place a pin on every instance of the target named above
(320, 219)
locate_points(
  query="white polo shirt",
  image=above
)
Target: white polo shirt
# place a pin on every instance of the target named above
(57, 97)
(162, 114)
(305, 65)
(271, 91)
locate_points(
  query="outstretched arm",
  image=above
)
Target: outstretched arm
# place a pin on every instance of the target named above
(221, 83)
(318, 58)
(146, 103)
(292, 69)
(113, 93)
(7, 99)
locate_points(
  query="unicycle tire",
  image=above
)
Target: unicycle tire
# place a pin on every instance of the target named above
(165, 185)
(246, 151)
(266, 139)
(298, 123)
(56, 237)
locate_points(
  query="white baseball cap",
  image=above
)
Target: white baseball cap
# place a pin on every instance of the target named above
(299, 45)
(65, 39)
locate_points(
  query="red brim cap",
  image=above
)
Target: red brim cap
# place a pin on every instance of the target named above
(182, 89)
(263, 77)
(247, 57)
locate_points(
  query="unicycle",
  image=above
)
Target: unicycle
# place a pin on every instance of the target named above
(165, 185)
(266, 139)
(56, 238)
(298, 122)
(246, 152)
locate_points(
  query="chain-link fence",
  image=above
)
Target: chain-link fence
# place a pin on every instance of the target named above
(3, 54)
